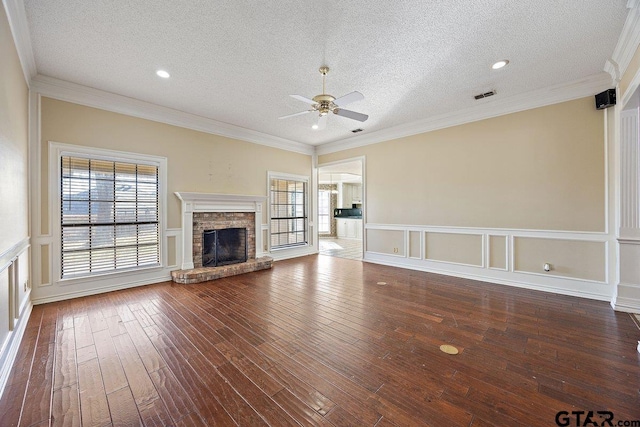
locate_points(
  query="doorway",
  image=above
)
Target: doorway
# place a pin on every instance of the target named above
(341, 209)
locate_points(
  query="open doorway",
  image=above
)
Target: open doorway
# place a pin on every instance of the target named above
(341, 209)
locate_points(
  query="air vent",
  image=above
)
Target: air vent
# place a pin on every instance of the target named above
(357, 130)
(485, 95)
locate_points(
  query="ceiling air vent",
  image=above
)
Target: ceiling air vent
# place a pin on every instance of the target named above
(357, 130)
(485, 95)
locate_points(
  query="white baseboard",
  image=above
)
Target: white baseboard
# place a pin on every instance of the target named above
(626, 298)
(283, 254)
(572, 287)
(100, 290)
(8, 356)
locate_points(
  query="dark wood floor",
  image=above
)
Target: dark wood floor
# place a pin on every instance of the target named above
(318, 341)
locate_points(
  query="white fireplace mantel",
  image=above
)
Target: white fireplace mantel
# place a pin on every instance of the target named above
(209, 202)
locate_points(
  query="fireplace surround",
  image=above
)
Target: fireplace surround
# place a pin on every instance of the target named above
(209, 211)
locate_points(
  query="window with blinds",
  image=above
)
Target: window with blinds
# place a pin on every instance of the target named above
(288, 209)
(109, 216)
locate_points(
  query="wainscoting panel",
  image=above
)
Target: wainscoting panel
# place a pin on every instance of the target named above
(456, 248)
(415, 244)
(578, 260)
(497, 252)
(15, 305)
(386, 241)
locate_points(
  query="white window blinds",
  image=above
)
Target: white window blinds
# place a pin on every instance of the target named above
(109, 216)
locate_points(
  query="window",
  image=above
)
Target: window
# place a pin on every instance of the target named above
(324, 211)
(288, 211)
(109, 215)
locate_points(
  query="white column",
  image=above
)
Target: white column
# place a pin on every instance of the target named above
(627, 295)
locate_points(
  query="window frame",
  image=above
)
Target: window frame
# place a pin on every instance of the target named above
(321, 214)
(56, 152)
(307, 229)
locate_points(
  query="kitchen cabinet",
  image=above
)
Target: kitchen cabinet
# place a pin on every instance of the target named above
(356, 194)
(349, 228)
(351, 193)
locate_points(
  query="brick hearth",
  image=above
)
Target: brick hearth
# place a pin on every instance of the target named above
(203, 274)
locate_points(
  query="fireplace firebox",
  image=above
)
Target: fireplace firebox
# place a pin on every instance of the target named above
(224, 246)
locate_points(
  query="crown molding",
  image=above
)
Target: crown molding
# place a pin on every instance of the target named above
(628, 42)
(486, 109)
(17, 17)
(78, 94)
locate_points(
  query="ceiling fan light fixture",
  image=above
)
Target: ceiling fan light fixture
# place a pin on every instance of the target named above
(324, 104)
(500, 64)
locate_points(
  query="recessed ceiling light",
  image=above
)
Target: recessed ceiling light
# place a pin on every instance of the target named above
(314, 126)
(500, 64)
(163, 74)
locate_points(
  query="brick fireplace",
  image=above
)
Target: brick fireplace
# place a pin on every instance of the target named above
(207, 211)
(203, 221)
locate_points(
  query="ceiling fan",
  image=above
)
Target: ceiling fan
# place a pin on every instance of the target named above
(325, 104)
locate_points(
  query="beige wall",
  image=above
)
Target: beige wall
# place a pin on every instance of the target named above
(197, 161)
(14, 101)
(14, 200)
(537, 169)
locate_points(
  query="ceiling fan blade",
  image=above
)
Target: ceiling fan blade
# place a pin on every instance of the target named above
(349, 98)
(295, 114)
(351, 114)
(303, 99)
(322, 122)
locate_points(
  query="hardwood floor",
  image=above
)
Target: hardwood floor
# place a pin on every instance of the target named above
(318, 341)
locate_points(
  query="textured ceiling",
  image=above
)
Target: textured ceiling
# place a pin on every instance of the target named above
(236, 61)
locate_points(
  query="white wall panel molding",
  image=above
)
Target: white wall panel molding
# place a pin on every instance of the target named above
(15, 299)
(519, 232)
(7, 257)
(176, 234)
(484, 110)
(78, 94)
(11, 345)
(549, 282)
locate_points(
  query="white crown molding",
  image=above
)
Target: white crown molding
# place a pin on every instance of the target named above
(492, 107)
(22, 39)
(628, 42)
(83, 95)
